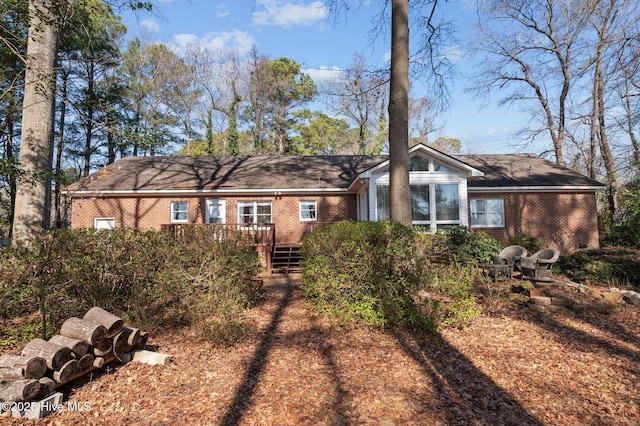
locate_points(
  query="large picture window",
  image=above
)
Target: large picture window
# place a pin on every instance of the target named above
(179, 211)
(254, 212)
(433, 205)
(486, 212)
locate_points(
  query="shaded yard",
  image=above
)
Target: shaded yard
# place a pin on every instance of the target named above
(512, 366)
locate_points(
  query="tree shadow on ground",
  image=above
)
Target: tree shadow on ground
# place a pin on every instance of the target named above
(244, 394)
(477, 399)
(474, 400)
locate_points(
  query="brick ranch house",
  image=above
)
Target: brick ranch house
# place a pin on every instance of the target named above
(502, 195)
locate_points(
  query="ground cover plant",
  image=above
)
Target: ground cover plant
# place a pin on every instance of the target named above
(152, 279)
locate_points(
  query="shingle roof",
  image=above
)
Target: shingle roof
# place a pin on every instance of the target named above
(306, 172)
(522, 170)
(227, 172)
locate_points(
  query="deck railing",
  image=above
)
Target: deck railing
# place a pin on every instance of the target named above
(262, 234)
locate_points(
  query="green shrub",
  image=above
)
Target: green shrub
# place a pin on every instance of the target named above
(617, 266)
(149, 278)
(476, 246)
(532, 244)
(368, 271)
(373, 272)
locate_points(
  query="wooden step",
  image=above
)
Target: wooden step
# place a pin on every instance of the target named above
(285, 259)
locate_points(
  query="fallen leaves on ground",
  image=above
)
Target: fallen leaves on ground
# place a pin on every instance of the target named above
(512, 366)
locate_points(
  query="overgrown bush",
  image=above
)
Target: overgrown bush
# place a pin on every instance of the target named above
(614, 266)
(467, 245)
(623, 230)
(152, 278)
(532, 244)
(375, 272)
(368, 271)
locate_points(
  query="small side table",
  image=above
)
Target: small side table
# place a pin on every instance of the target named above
(499, 271)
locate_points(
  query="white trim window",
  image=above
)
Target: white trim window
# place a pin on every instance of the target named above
(104, 223)
(308, 210)
(179, 211)
(215, 211)
(254, 212)
(445, 197)
(487, 212)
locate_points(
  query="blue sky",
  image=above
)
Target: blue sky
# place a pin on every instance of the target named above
(304, 31)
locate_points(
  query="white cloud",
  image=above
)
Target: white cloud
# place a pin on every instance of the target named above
(236, 39)
(284, 14)
(222, 11)
(150, 25)
(323, 74)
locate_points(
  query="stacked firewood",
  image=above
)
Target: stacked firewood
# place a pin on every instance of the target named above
(82, 345)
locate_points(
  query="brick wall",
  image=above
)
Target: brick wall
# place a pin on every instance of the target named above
(566, 221)
(149, 213)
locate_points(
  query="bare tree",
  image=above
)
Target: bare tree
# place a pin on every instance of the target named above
(358, 94)
(528, 51)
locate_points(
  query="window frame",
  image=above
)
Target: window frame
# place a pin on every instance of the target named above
(112, 220)
(314, 210)
(433, 222)
(486, 223)
(222, 208)
(174, 211)
(255, 204)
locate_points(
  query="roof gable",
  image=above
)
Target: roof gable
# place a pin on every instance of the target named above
(447, 162)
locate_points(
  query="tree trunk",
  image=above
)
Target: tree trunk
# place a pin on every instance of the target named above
(58, 164)
(33, 199)
(399, 194)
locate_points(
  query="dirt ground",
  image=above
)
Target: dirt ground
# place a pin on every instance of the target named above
(512, 366)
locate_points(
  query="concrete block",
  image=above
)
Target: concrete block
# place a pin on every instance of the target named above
(151, 358)
(38, 409)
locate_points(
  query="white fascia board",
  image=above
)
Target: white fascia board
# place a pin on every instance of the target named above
(206, 192)
(433, 153)
(536, 189)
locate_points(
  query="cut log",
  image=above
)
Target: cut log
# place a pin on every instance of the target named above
(19, 390)
(142, 340)
(121, 343)
(79, 347)
(98, 362)
(86, 362)
(33, 367)
(133, 334)
(89, 331)
(112, 323)
(54, 355)
(102, 348)
(67, 372)
(11, 373)
(47, 385)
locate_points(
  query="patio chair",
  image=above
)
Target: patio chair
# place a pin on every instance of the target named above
(538, 266)
(504, 263)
